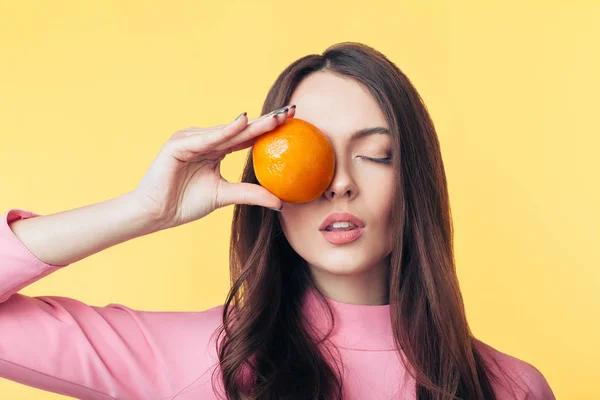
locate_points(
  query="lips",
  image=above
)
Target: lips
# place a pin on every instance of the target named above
(341, 217)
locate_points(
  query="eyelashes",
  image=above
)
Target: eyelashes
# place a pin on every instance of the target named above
(385, 160)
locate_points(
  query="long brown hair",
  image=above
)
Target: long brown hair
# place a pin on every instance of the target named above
(266, 345)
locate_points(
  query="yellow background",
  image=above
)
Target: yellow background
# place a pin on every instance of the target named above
(89, 92)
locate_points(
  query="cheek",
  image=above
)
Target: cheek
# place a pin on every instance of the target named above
(378, 187)
(388, 191)
(296, 220)
(378, 193)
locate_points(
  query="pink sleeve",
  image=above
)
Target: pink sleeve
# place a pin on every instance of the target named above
(62, 345)
(19, 267)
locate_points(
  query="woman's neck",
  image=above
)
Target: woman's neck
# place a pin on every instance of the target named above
(369, 287)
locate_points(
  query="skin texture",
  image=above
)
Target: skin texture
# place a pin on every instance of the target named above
(355, 272)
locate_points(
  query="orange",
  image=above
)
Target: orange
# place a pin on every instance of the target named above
(294, 161)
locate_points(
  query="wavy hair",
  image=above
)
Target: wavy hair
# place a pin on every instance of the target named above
(265, 341)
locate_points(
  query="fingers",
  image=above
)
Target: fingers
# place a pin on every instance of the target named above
(246, 193)
(241, 146)
(193, 130)
(262, 125)
(236, 136)
(290, 109)
(209, 141)
(240, 143)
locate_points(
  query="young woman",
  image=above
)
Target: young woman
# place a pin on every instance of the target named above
(375, 315)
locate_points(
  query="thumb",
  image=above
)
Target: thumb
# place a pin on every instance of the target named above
(247, 193)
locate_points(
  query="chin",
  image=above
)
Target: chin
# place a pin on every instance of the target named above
(339, 269)
(339, 261)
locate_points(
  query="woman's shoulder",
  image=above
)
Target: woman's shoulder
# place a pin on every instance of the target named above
(513, 377)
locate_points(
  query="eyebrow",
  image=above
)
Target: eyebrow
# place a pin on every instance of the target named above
(361, 133)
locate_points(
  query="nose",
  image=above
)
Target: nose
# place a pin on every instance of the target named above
(342, 185)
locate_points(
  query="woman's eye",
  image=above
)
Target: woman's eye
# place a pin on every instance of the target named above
(385, 160)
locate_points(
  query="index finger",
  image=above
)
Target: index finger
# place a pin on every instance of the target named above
(246, 138)
(290, 109)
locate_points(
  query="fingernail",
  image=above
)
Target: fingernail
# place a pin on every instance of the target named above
(275, 209)
(282, 110)
(279, 110)
(240, 116)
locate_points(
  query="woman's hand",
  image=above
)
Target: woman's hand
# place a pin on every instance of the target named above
(184, 182)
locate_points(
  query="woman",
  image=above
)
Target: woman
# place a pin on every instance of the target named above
(378, 315)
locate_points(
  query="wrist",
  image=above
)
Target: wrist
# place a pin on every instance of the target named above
(143, 220)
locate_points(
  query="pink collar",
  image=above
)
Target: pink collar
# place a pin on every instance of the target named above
(357, 326)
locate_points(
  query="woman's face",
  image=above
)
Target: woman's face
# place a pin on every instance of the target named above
(356, 271)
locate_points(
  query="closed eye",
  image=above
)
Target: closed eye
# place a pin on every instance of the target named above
(385, 160)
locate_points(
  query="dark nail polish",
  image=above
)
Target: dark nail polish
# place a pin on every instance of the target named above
(282, 111)
(241, 115)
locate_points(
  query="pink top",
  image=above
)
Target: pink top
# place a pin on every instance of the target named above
(62, 345)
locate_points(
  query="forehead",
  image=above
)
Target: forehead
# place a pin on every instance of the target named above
(336, 104)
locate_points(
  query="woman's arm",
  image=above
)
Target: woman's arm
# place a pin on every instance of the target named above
(66, 346)
(63, 345)
(182, 185)
(69, 236)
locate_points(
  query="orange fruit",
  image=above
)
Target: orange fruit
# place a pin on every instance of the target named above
(294, 161)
